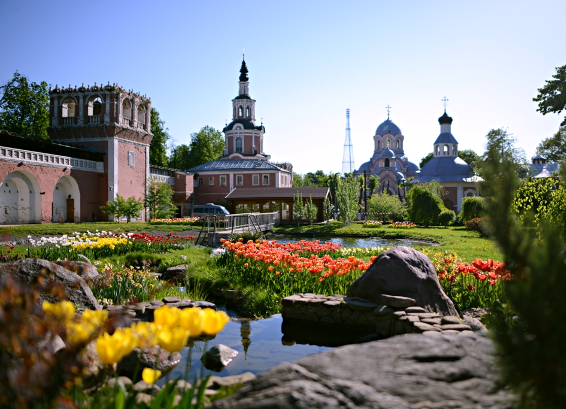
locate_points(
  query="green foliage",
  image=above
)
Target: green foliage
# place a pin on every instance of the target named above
(310, 210)
(129, 208)
(472, 207)
(373, 184)
(424, 203)
(246, 236)
(554, 148)
(159, 199)
(530, 347)
(426, 159)
(24, 107)
(471, 158)
(180, 158)
(552, 97)
(298, 207)
(477, 224)
(347, 198)
(388, 207)
(446, 217)
(206, 145)
(327, 209)
(504, 143)
(158, 145)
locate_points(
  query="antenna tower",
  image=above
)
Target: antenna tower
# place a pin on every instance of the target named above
(348, 158)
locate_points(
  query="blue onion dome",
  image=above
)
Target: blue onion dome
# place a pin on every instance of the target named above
(388, 127)
(387, 153)
(445, 119)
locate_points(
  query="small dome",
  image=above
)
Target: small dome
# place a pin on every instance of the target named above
(387, 153)
(445, 119)
(388, 127)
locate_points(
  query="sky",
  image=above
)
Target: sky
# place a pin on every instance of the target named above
(308, 62)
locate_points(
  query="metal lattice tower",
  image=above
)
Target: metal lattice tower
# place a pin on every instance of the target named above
(348, 158)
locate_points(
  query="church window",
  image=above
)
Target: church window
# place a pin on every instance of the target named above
(68, 107)
(454, 150)
(127, 111)
(398, 144)
(378, 144)
(240, 111)
(388, 143)
(387, 162)
(141, 117)
(446, 150)
(437, 150)
(239, 147)
(247, 112)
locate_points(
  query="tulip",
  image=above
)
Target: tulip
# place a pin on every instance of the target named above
(145, 334)
(62, 311)
(167, 316)
(80, 333)
(173, 339)
(96, 318)
(150, 376)
(214, 321)
(192, 319)
(112, 348)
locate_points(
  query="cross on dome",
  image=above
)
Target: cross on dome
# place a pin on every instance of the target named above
(388, 108)
(444, 100)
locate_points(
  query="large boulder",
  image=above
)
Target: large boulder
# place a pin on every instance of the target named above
(86, 270)
(27, 271)
(404, 372)
(403, 271)
(154, 358)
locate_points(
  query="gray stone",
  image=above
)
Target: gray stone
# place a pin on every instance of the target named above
(144, 398)
(478, 313)
(157, 303)
(399, 314)
(396, 301)
(431, 321)
(124, 380)
(451, 332)
(142, 386)
(171, 300)
(384, 328)
(448, 319)
(403, 271)
(409, 318)
(86, 270)
(205, 304)
(218, 357)
(27, 270)
(332, 303)
(422, 327)
(383, 310)
(153, 358)
(409, 372)
(183, 257)
(182, 385)
(415, 309)
(474, 323)
(361, 306)
(424, 315)
(321, 311)
(216, 382)
(457, 327)
(95, 371)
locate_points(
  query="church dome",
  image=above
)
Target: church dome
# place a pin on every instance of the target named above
(445, 119)
(388, 127)
(387, 153)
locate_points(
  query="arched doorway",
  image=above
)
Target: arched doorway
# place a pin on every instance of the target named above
(20, 202)
(66, 200)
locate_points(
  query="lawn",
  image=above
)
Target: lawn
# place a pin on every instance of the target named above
(469, 245)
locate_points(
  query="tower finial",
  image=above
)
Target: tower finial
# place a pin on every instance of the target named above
(444, 100)
(388, 108)
(243, 53)
(244, 72)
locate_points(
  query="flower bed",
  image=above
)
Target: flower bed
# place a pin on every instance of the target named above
(402, 225)
(471, 285)
(176, 220)
(372, 223)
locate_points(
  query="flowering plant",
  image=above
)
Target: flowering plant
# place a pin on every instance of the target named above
(402, 225)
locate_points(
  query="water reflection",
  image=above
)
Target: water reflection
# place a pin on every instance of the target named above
(352, 241)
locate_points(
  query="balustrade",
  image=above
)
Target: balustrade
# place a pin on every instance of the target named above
(40, 158)
(94, 119)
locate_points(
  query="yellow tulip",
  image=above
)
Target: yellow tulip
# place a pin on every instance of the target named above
(192, 319)
(112, 348)
(214, 321)
(167, 316)
(62, 311)
(145, 333)
(80, 332)
(96, 318)
(150, 375)
(173, 339)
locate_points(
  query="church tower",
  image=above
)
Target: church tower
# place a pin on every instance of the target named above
(445, 144)
(243, 138)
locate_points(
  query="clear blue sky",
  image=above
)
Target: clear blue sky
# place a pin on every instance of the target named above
(308, 61)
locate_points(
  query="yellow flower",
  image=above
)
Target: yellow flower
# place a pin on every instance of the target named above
(150, 375)
(96, 318)
(173, 339)
(112, 348)
(145, 333)
(214, 321)
(62, 311)
(192, 319)
(80, 332)
(167, 316)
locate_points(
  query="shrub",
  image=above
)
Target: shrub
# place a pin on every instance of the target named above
(472, 207)
(424, 203)
(446, 217)
(476, 224)
(389, 208)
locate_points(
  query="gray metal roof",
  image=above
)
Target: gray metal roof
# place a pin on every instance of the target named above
(387, 153)
(544, 170)
(365, 166)
(445, 137)
(445, 169)
(387, 127)
(246, 123)
(244, 164)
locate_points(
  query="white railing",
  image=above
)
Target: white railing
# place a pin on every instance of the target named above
(126, 122)
(140, 124)
(69, 120)
(170, 180)
(94, 119)
(248, 221)
(41, 158)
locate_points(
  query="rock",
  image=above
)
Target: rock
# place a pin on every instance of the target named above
(183, 257)
(448, 319)
(408, 372)
(474, 323)
(146, 358)
(51, 343)
(403, 271)
(457, 327)
(182, 385)
(86, 270)
(75, 288)
(396, 301)
(216, 382)
(142, 386)
(172, 299)
(422, 327)
(205, 304)
(177, 272)
(144, 398)
(124, 380)
(94, 370)
(414, 310)
(218, 357)
(478, 313)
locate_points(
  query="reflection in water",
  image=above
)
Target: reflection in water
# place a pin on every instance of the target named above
(351, 241)
(245, 332)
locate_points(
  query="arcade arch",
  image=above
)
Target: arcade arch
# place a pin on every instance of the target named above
(66, 200)
(20, 202)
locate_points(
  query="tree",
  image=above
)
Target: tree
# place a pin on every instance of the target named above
(554, 147)
(425, 204)
(24, 107)
(540, 199)
(298, 180)
(504, 143)
(310, 210)
(387, 207)
(426, 159)
(180, 157)
(328, 209)
(373, 184)
(206, 145)
(158, 145)
(552, 97)
(158, 199)
(471, 158)
(347, 198)
(298, 208)
(122, 207)
(446, 217)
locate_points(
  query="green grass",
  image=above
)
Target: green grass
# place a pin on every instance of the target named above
(467, 244)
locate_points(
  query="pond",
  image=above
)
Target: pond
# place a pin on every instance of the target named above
(352, 241)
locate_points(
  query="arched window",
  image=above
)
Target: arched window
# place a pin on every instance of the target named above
(234, 112)
(387, 162)
(446, 150)
(68, 107)
(378, 144)
(398, 144)
(388, 143)
(240, 111)
(239, 147)
(247, 112)
(454, 150)
(437, 150)
(141, 117)
(126, 112)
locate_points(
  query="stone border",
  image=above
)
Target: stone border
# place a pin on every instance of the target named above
(144, 310)
(398, 315)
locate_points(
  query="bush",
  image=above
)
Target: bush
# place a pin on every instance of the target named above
(476, 224)
(472, 207)
(446, 217)
(425, 204)
(388, 207)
